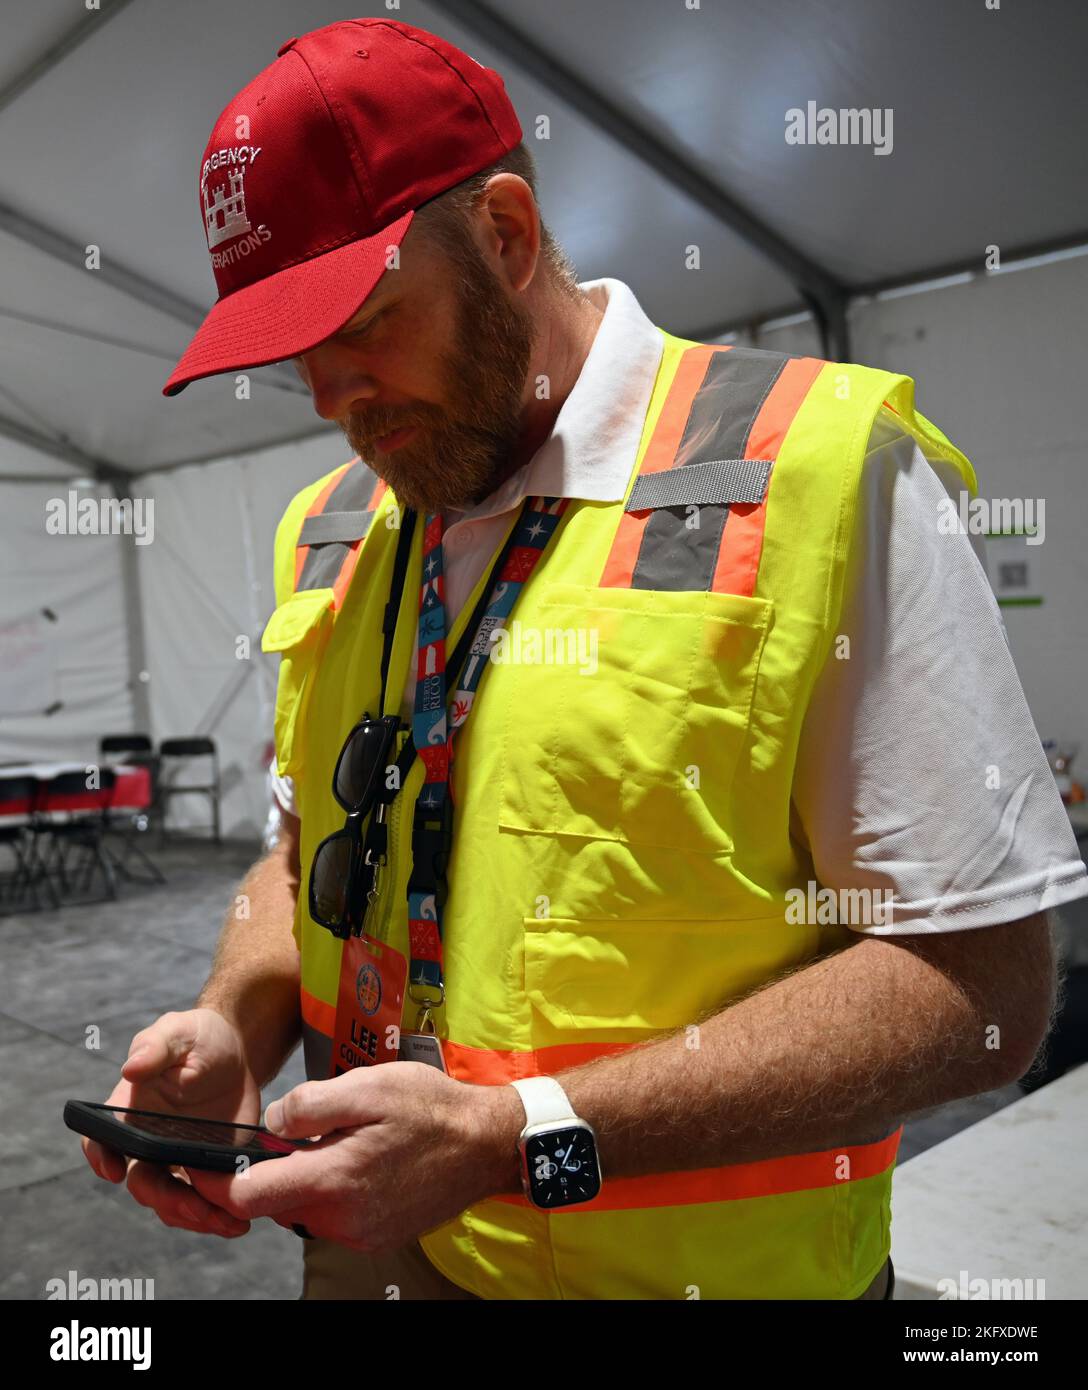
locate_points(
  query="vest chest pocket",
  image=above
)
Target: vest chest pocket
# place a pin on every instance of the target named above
(298, 630)
(626, 718)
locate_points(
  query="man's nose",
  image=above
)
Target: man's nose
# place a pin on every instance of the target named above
(336, 383)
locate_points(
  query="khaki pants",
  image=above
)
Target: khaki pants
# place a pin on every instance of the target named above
(331, 1271)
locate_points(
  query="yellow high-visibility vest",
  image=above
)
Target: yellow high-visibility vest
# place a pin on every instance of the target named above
(622, 850)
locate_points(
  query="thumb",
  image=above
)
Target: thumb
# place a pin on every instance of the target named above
(319, 1107)
(166, 1043)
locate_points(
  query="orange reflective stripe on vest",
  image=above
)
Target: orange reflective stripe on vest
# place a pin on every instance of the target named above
(334, 529)
(727, 1182)
(738, 1182)
(727, 405)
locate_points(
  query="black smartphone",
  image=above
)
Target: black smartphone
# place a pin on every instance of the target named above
(177, 1139)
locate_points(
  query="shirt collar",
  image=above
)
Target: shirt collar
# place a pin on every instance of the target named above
(594, 442)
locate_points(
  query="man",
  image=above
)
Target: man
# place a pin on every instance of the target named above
(723, 665)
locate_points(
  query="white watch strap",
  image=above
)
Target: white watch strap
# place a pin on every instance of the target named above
(544, 1099)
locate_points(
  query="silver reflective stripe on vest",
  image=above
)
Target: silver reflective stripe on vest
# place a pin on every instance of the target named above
(674, 553)
(324, 557)
(334, 526)
(716, 483)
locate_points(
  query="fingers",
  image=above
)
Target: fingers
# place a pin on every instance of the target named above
(272, 1186)
(177, 1204)
(106, 1163)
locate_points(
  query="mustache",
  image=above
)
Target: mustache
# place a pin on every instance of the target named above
(376, 426)
(369, 433)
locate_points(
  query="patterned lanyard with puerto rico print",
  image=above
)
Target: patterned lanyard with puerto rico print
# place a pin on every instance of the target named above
(432, 730)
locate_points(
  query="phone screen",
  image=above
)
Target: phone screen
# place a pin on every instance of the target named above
(194, 1131)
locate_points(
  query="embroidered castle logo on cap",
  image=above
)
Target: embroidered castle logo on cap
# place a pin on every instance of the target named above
(224, 203)
(225, 216)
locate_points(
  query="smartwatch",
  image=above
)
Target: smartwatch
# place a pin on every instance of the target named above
(559, 1164)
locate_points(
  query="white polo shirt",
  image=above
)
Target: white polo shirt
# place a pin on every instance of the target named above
(919, 769)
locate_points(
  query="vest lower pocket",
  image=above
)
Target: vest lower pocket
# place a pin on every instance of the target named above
(628, 715)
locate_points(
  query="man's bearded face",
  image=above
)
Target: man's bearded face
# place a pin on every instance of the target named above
(464, 445)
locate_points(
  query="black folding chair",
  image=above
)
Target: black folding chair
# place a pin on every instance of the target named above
(74, 817)
(133, 750)
(125, 743)
(174, 753)
(128, 819)
(18, 799)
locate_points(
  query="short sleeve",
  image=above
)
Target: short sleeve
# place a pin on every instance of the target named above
(920, 774)
(283, 789)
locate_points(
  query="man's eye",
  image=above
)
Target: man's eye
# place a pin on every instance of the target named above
(362, 332)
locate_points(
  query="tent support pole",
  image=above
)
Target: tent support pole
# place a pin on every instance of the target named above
(121, 486)
(832, 324)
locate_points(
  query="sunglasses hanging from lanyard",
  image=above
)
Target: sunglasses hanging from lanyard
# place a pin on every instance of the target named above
(344, 873)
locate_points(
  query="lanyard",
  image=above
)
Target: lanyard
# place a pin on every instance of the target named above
(376, 840)
(434, 725)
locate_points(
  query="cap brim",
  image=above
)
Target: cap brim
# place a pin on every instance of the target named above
(287, 313)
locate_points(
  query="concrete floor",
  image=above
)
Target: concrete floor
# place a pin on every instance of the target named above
(119, 966)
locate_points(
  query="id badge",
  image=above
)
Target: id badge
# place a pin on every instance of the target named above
(422, 1047)
(368, 1006)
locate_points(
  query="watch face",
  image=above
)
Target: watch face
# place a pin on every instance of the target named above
(562, 1167)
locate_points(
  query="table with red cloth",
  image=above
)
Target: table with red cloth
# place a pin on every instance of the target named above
(130, 792)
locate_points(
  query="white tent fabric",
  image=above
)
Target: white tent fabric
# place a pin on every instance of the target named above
(664, 123)
(206, 584)
(63, 632)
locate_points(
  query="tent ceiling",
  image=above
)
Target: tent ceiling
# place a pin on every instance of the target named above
(989, 115)
(101, 147)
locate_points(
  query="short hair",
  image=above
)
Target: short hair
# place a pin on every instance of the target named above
(445, 219)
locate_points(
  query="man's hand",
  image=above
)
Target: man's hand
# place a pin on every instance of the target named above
(187, 1064)
(404, 1149)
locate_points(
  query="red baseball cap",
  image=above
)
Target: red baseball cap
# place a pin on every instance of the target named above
(313, 173)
